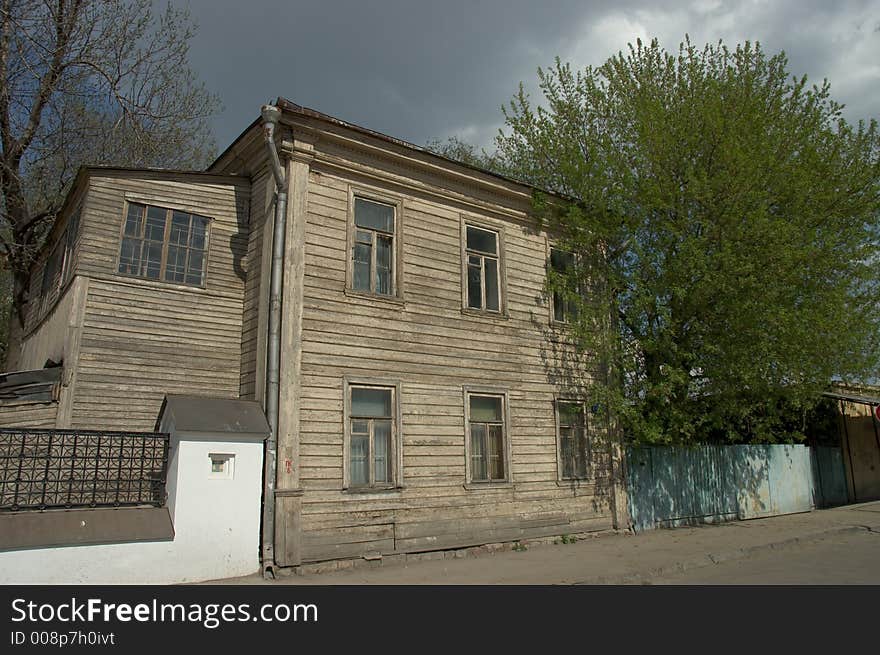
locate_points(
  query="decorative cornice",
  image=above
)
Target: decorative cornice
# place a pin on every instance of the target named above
(381, 164)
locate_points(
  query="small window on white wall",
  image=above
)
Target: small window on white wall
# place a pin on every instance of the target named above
(222, 466)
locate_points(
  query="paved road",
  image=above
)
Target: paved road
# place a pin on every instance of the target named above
(850, 558)
(835, 546)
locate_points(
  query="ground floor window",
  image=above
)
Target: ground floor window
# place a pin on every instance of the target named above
(486, 436)
(574, 446)
(372, 435)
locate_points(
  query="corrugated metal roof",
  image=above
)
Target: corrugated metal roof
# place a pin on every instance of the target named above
(200, 414)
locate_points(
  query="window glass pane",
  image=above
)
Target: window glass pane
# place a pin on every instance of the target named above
(485, 408)
(133, 220)
(475, 292)
(52, 267)
(559, 307)
(363, 254)
(479, 469)
(195, 270)
(566, 454)
(199, 231)
(481, 240)
(383, 265)
(571, 413)
(155, 227)
(130, 256)
(560, 260)
(373, 215)
(370, 402)
(179, 229)
(175, 265)
(71, 233)
(492, 299)
(361, 278)
(496, 452)
(580, 458)
(360, 451)
(152, 260)
(381, 451)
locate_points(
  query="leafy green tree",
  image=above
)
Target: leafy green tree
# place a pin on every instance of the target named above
(88, 82)
(727, 214)
(456, 148)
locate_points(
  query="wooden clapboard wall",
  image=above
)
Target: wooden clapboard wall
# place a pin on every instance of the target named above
(433, 349)
(142, 339)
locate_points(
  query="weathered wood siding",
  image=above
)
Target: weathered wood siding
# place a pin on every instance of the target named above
(28, 415)
(39, 306)
(433, 349)
(48, 338)
(251, 342)
(142, 339)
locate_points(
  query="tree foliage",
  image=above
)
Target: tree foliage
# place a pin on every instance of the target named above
(88, 82)
(728, 215)
(461, 151)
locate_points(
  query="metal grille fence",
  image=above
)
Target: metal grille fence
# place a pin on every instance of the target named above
(44, 469)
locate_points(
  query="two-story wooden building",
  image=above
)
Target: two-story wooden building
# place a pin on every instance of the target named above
(426, 400)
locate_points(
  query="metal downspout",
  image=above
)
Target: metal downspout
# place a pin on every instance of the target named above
(271, 115)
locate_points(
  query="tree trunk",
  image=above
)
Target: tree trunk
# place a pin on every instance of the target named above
(14, 338)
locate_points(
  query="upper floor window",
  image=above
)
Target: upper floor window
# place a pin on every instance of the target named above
(574, 446)
(483, 269)
(58, 269)
(52, 269)
(564, 307)
(372, 258)
(71, 235)
(164, 244)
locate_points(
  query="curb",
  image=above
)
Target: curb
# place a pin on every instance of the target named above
(711, 559)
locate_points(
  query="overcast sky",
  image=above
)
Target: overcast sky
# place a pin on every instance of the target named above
(421, 70)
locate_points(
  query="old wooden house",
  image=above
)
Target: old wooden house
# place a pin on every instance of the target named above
(422, 398)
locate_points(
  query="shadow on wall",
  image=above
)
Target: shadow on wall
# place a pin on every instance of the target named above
(569, 371)
(238, 242)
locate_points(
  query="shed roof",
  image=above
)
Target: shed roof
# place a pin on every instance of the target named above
(214, 416)
(853, 398)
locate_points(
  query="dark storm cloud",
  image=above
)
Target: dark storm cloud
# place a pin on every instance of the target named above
(420, 70)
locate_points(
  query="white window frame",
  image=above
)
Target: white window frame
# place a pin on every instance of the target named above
(588, 449)
(382, 198)
(507, 480)
(466, 222)
(396, 449)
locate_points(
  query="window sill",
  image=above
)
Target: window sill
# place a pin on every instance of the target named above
(483, 313)
(373, 490)
(157, 284)
(488, 486)
(391, 300)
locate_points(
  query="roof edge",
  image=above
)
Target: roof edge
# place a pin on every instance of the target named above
(294, 108)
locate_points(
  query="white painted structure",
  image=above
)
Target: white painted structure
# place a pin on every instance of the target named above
(214, 503)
